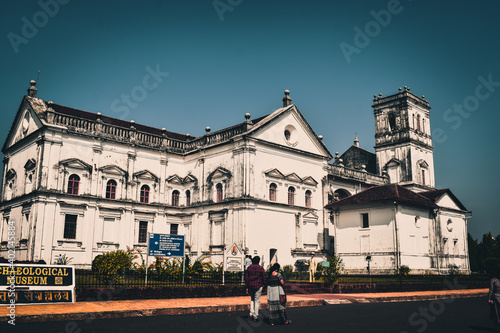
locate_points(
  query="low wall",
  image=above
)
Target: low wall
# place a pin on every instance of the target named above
(396, 287)
(131, 293)
(118, 293)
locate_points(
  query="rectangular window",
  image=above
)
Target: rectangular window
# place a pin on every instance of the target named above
(143, 231)
(174, 229)
(366, 223)
(70, 226)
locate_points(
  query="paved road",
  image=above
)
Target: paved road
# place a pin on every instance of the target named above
(460, 315)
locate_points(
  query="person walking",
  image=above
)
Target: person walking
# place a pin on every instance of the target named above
(276, 297)
(494, 298)
(255, 279)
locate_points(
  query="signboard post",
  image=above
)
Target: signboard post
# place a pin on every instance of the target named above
(146, 264)
(165, 245)
(35, 284)
(233, 260)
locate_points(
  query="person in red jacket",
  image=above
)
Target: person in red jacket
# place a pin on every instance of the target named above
(255, 279)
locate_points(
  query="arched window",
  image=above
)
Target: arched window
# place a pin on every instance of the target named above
(73, 184)
(308, 199)
(418, 122)
(111, 189)
(423, 177)
(291, 195)
(175, 198)
(144, 197)
(341, 194)
(188, 198)
(272, 192)
(219, 192)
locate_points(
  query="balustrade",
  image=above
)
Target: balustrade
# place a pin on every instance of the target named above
(144, 139)
(343, 172)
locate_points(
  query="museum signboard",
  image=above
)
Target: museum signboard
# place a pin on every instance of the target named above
(29, 284)
(233, 259)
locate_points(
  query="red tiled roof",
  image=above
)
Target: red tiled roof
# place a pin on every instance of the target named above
(435, 195)
(391, 192)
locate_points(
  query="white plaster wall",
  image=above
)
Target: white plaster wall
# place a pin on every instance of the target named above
(454, 250)
(415, 237)
(268, 158)
(17, 162)
(300, 138)
(446, 201)
(268, 229)
(379, 237)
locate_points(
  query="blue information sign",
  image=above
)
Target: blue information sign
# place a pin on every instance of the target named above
(164, 245)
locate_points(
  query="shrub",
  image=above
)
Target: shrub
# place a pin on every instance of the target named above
(111, 265)
(300, 266)
(403, 271)
(165, 269)
(286, 271)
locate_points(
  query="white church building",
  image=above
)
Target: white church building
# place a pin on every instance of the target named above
(80, 183)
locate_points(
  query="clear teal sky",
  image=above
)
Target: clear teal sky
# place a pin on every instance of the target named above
(229, 57)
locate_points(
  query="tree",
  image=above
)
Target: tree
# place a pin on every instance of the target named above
(492, 267)
(486, 250)
(473, 255)
(332, 272)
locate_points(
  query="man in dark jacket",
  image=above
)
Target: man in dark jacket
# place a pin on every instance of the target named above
(255, 279)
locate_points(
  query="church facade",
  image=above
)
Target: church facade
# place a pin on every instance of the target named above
(81, 183)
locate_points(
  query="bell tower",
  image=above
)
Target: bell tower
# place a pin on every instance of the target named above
(403, 143)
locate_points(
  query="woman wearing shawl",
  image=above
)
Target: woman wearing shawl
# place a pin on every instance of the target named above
(276, 298)
(494, 297)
